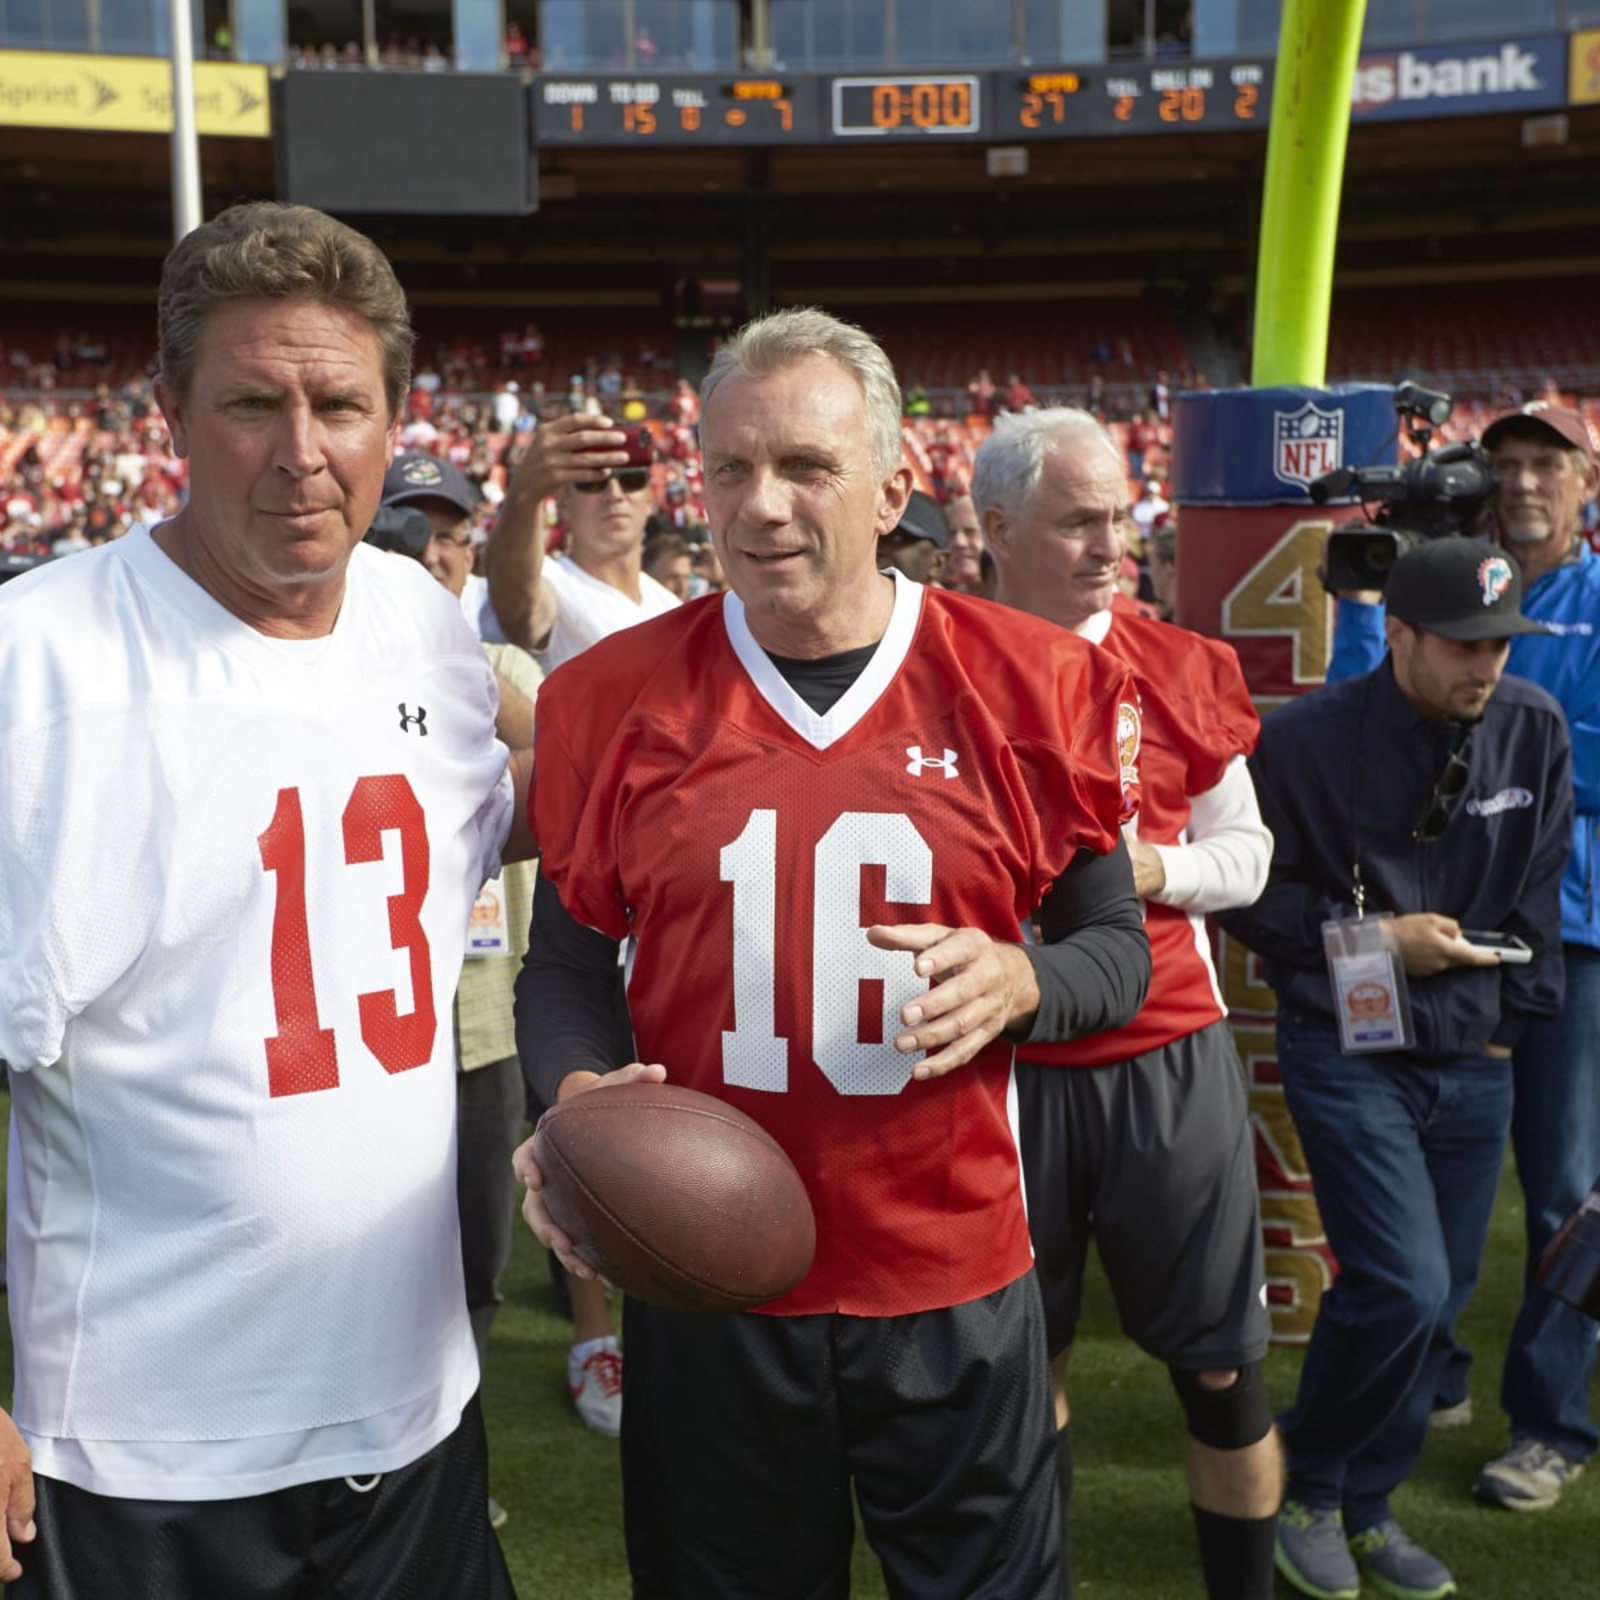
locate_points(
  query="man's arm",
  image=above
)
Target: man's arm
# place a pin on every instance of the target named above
(17, 1494)
(565, 450)
(513, 722)
(1225, 860)
(565, 1024)
(1537, 988)
(520, 843)
(1358, 641)
(565, 1000)
(1285, 921)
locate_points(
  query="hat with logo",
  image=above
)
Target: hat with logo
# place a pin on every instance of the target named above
(1459, 589)
(923, 518)
(415, 477)
(1567, 425)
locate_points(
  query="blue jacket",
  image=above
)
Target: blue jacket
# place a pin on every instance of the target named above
(1567, 663)
(1345, 772)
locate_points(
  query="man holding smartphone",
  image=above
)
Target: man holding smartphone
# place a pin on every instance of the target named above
(1423, 798)
(600, 473)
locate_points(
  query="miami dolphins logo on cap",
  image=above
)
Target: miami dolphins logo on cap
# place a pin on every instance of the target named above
(423, 473)
(1494, 578)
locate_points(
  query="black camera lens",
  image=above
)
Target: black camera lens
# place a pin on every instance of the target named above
(402, 529)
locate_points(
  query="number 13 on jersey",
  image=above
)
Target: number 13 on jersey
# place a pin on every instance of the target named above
(754, 1056)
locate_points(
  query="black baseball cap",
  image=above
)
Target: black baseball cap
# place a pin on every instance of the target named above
(923, 518)
(1459, 589)
(414, 477)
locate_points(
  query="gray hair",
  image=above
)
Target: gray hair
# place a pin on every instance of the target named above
(1009, 461)
(782, 338)
(266, 251)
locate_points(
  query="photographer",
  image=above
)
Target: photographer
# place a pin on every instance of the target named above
(1426, 797)
(1544, 459)
(600, 474)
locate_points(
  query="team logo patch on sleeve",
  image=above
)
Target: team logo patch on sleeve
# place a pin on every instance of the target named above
(1129, 724)
(1494, 578)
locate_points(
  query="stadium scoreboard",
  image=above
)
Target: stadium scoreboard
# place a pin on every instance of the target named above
(804, 108)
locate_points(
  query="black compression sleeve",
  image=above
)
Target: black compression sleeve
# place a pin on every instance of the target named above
(565, 1008)
(1092, 963)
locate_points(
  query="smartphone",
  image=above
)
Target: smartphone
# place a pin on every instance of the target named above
(640, 445)
(1505, 945)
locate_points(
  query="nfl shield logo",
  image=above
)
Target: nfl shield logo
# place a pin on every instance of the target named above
(1306, 443)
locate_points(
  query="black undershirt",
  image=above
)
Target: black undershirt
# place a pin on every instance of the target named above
(1092, 961)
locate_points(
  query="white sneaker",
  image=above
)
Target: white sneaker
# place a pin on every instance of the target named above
(1528, 1477)
(595, 1378)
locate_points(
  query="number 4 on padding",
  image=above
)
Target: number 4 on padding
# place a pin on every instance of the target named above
(754, 1056)
(303, 1056)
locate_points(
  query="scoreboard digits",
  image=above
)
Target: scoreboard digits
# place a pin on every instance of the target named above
(610, 111)
(1206, 96)
(815, 108)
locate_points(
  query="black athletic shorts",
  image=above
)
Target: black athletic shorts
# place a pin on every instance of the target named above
(419, 1533)
(743, 1436)
(1153, 1159)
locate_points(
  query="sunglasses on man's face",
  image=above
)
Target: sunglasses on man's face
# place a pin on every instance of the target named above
(630, 480)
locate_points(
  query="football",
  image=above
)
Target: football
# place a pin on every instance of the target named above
(675, 1197)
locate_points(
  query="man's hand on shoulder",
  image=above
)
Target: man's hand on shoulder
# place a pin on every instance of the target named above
(1429, 943)
(16, 1480)
(981, 987)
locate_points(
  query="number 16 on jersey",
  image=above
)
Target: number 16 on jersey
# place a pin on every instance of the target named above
(754, 1056)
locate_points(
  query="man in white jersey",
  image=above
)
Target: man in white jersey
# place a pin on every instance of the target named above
(249, 789)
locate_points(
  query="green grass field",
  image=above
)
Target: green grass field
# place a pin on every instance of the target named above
(1132, 1533)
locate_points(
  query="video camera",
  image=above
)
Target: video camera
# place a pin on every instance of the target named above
(401, 529)
(1438, 494)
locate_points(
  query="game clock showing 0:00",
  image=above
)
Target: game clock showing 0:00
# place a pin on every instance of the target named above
(816, 109)
(874, 107)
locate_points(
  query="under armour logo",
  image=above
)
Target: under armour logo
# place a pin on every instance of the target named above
(919, 763)
(417, 719)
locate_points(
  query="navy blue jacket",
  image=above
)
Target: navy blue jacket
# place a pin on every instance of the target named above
(1566, 661)
(1352, 767)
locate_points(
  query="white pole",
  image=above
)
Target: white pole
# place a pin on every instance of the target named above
(186, 215)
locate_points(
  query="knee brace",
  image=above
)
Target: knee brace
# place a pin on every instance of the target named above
(1225, 1419)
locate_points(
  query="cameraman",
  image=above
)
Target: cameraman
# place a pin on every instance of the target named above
(1544, 459)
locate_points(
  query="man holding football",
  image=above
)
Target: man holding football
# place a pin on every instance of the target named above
(821, 809)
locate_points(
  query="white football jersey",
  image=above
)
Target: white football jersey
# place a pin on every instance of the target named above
(235, 877)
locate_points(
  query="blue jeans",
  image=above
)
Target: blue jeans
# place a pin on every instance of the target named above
(1405, 1155)
(1555, 1132)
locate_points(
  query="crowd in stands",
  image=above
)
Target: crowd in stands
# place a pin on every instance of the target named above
(84, 454)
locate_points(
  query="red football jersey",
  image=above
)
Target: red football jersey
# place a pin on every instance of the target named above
(1197, 717)
(686, 796)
